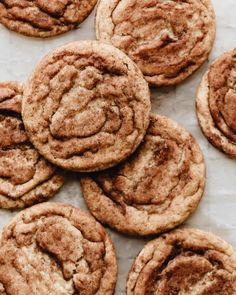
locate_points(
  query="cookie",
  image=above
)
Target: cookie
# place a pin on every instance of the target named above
(43, 18)
(156, 189)
(56, 249)
(86, 106)
(168, 40)
(185, 261)
(216, 103)
(25, 177)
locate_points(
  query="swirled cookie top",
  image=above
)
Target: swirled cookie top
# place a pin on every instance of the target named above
(156, 188)
(86, 106)
(184, 262)
(22, 169)
(56, 249)
(167, 39)
(43, 18)
(222, 94)
(216, 103)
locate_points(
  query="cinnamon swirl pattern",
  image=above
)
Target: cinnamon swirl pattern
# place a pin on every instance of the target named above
(86, 106)
(25, 177)
(156, 189)
(56, 249)
(185, 261)
(43, 18)
(216, 103)
(168, 40)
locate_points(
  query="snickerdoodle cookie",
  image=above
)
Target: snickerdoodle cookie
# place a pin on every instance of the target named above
(56, 249)
(184, 261)
(25, 177)
(168, 40)
(86, 106)
(44, 18)
(216, 103)
(154, 190)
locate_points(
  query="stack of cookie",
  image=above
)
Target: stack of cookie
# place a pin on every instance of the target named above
(86, 108)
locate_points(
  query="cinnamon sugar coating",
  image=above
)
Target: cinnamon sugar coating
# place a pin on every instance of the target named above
(86, 106)
(25, 177)
(44, 18)
(155, 189)
(168, 40)
(56, 249)
(216, 103)
(185, 261)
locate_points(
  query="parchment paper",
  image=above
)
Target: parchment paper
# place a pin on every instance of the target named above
(217, 211)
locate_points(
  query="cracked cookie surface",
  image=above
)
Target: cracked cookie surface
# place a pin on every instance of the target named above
(56, 249)
(44, 18)
(168, 40)
(185, 261)
(86, 106)
(155, 189)
(216, 103)
(25, 177)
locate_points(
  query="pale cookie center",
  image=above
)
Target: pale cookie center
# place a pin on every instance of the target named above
(89, 104)
(86, 109)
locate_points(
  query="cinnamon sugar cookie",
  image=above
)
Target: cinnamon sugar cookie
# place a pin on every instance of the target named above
(216, 103)
(156, 189)
(25, 177)
(56, 249)
(44, 18)
(86, 106)
(168, 40)
(184, 261)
